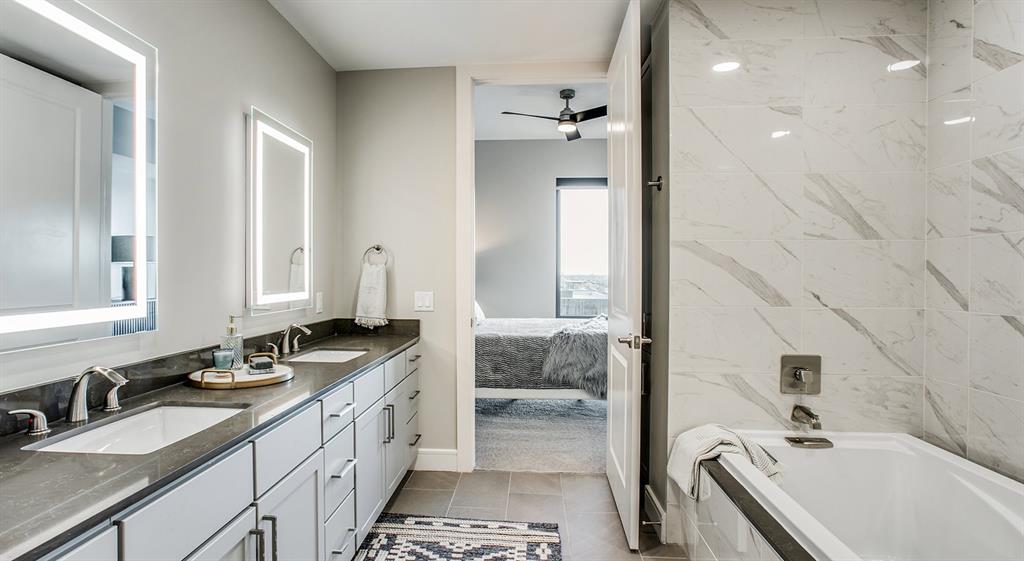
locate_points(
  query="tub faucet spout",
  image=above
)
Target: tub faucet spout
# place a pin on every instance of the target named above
(803, 415)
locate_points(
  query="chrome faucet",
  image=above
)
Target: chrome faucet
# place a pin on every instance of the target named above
(78, 405)
(803, 415)
(288, 345)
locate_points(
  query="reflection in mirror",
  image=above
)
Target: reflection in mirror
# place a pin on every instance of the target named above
(77, 176)
(279, 225)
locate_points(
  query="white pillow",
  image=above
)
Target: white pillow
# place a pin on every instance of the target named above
(478, 312)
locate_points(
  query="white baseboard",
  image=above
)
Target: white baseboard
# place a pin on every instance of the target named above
(655, 512)
(437, 459)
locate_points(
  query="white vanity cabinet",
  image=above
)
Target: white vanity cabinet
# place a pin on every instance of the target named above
(371, 431)
(291, 514)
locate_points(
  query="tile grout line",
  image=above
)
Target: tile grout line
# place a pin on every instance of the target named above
(451, 501)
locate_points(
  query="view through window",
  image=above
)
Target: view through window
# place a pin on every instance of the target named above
(582, 247)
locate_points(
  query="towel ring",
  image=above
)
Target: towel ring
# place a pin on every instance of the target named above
(377, 249)
(298, 250)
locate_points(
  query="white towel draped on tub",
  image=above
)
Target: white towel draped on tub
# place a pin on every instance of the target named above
(373, 296)
(709, 441)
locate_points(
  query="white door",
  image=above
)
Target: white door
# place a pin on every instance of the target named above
(371, 432)
(625, 274)
(292, 514)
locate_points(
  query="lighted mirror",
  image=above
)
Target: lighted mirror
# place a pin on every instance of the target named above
(77, 176)
(278, 237)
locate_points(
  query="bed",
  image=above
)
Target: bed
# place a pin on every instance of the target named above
(537, 358)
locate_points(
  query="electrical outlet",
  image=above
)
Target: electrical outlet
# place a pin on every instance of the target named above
(424, 302)
(319, 302)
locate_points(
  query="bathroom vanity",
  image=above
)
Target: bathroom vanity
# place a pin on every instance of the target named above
(301, 470)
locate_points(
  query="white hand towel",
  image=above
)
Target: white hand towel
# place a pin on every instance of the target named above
(373, 296)
(709, 441)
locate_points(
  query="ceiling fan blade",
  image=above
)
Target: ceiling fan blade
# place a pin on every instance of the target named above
(528, 115)
(588, 114)
(574, 135)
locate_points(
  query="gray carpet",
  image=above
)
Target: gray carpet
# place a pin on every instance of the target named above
(543, 435)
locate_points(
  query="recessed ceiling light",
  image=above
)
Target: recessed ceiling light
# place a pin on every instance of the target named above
(780, 134)
(903, 65)
(726, 66)
(959, 121)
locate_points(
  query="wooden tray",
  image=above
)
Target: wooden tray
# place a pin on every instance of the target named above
(215, 379)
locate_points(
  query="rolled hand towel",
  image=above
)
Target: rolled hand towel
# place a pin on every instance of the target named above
(373, 296)
(709, 441)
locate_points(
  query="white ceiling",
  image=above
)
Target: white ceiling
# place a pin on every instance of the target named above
(376, 34)
(490, 100)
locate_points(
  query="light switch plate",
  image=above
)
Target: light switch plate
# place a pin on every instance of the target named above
(424, 302)
(319, 302)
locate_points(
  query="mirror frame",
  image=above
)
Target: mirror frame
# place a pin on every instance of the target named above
(82, 21)
(261, 125)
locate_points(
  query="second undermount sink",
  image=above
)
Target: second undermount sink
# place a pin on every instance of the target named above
(329, 355)
(139, 433)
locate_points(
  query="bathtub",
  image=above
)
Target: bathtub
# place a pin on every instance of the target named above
(882, 496)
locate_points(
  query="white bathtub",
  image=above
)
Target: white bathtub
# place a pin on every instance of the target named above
(887, 497)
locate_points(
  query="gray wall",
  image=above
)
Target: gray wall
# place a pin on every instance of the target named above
(974, 396)
(396, 187)
(216, 60)
(515, 219)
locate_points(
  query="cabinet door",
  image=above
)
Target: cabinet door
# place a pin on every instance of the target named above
(238, 541)
(371, 431)
(291, 513)
(395, 449)
(103, 547)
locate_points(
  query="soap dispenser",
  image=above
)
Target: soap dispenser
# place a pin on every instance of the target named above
(233, 340)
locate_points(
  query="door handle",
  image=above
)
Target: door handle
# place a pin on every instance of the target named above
(273, 535)
(414, 395)
(391, 425)
(261, 543)
(346, 541)
(344, 411)
(635, 341)
(389, 418)
(417, 441)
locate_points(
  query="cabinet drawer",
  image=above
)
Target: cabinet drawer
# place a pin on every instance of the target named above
(368, 389)
(237, 540)
(412, 358)
(340, 468)
(178, 522)
(394, 372)
(102, 547)
(340, 531)
(339, 409)
(285, 446)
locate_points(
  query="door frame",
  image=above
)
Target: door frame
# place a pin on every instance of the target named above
(466, 79)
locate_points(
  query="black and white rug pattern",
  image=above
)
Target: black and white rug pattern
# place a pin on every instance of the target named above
(403, 537)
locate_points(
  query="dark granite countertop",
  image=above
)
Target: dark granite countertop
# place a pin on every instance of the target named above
(47, 498)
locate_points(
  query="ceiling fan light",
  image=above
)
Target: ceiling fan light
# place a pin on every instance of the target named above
(566, 126)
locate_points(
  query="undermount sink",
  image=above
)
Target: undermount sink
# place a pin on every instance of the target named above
(328, 355)
(140, 433)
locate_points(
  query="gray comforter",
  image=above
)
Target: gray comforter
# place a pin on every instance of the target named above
(511, 353)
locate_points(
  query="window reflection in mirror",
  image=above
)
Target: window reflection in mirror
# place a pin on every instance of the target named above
(77, 177)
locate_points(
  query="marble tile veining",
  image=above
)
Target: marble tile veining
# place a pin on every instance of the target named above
(949, 276)
(865, 137)
(948, 205)
(853, 18)
(736, 19)
(736, 273)
(867, 206)
(998, 112)
(997, 355)
(998, 36)
(995, 433)
(947, 346)
(950, 118)
(738, 139)
(733, 339)
(858, 70)
(945, 416)
(770, 73)
(997, 197)
(742, 206)
(997, 274)
(950, 40)
(864, 274)
(867, 341)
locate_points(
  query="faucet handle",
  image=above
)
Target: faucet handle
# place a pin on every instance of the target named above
(39, 426)
(113, 403)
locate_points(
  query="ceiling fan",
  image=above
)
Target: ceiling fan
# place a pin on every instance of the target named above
(568, 119)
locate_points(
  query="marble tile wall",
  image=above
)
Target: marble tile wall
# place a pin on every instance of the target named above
(974, 355)
(798, 190)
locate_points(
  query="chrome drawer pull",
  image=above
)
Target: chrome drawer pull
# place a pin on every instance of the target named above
(417, 441)
(415, 358)
(414, 395)
(345, 411)
(273, 535)
(349, 466)
(261, 543)
(343, 551)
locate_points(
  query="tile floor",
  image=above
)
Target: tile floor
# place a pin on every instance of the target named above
(580, 504)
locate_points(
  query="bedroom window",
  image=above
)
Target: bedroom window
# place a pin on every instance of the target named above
(582, 246)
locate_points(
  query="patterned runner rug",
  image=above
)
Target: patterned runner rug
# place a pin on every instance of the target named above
(431, 538)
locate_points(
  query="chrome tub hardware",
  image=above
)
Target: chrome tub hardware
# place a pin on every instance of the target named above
(78, 405)
(39, 426)
(800, 374)
(289, 345)
(809, 442)
(803, 415)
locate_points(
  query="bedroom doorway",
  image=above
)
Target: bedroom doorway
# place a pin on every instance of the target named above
(540, 328)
